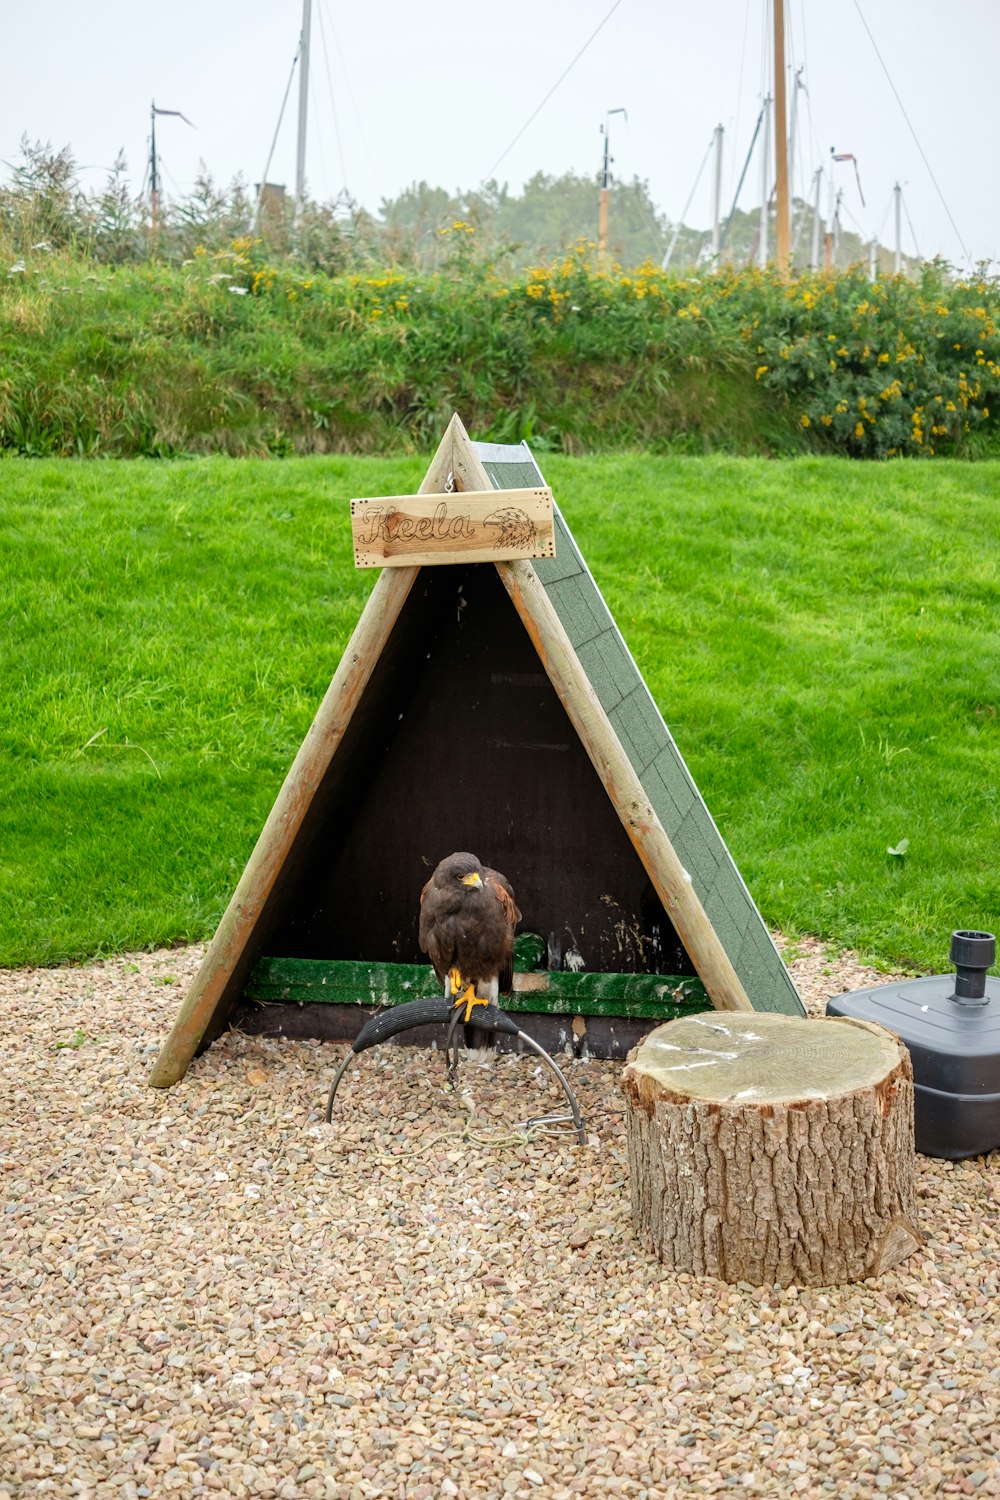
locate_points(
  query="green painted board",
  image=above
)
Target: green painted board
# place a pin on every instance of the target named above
(312, 981)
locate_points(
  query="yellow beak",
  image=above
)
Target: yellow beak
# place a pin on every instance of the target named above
(473, 880)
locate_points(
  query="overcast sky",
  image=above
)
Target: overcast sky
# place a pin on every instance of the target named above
(438, 91)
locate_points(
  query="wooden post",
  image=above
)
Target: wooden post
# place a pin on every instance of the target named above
(782, 250)
(768, 1149)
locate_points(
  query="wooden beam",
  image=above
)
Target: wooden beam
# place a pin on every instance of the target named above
(304, 981)
(393, 531)
(237, 941)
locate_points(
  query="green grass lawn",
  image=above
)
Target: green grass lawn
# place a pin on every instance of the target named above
(822, 637)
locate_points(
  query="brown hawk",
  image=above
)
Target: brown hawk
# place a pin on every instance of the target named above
(467, 919)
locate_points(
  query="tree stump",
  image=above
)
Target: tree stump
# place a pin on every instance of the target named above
(767, 1149)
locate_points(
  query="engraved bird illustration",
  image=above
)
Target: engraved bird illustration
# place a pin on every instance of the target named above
(467, 919)
(516, 527)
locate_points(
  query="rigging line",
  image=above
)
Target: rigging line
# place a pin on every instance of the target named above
(333, 104)
(802, 33)
(813, 137)
(648, 213)
(923, 154)
(680, 223)
(167, 173)
(761, 86)
(881, 227)
(739, 185)
(350, 92)
(913, 233)
(796, 87)
(548, 96)
(862, 231)
(739, 91)
(274, 138)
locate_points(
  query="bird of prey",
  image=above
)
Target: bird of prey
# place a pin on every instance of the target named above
(467, 919)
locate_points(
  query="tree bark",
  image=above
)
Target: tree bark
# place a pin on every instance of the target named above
(767, 1149)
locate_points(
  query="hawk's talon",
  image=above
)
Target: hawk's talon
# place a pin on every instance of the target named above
(469, 999)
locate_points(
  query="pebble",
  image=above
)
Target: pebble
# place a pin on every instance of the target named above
(208, 1290)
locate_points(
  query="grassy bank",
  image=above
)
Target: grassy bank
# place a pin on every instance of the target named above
(820, 636)
(229, 353)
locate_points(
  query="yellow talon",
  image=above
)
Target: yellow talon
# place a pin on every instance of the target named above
(469, 999)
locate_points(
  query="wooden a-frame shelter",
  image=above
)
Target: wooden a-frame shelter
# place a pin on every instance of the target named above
(491, 706)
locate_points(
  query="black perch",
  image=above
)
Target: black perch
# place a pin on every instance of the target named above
(436, 1008)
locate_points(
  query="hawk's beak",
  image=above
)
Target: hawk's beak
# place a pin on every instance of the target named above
(473, 880)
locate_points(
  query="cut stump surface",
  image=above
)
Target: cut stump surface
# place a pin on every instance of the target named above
(767, 1149)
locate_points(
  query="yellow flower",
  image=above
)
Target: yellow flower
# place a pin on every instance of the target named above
(883, 359)
(859, 429)
(826, 419)
(761, 370)
(805, 420)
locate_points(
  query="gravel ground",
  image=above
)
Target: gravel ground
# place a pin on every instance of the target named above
(209, 1290)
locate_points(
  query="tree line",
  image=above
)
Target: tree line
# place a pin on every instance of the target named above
(45, 204)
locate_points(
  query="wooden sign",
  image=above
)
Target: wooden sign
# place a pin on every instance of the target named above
(471, 526)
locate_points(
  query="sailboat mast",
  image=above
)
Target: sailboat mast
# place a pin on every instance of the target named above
(817, 185)
(782, 235)
(154, 180)
(300, 157)
(717, 197)
(765, 186)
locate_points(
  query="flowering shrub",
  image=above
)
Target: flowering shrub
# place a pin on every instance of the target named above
(885, 368)
(237, 351)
